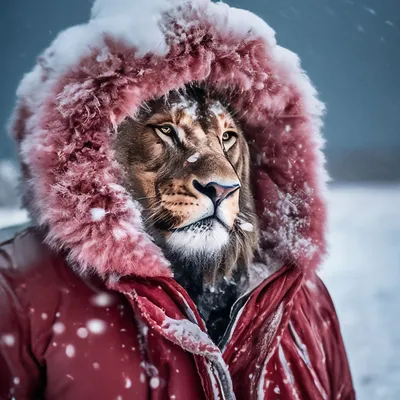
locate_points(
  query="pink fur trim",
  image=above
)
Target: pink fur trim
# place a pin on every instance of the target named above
(66, 125)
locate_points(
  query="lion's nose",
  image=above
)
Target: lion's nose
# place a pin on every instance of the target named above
(216, 191)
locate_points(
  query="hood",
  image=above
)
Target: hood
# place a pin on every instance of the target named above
(95, 75)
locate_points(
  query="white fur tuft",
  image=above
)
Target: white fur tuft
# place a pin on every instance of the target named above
(190, 242)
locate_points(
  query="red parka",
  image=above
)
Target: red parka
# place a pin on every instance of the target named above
(89, 306)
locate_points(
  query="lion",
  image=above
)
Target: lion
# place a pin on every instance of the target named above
(186, 161)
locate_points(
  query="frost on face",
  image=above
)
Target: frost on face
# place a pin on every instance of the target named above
(189, 108)
(217, 109)
(96, 326)
(193, 158)
(245, 225)
(8, 340)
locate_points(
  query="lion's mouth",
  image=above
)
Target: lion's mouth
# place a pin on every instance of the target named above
(203, 225)
(208, 234)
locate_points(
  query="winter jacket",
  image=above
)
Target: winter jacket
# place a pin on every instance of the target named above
(89, 306)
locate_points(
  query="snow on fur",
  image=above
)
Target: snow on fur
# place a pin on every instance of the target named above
(96, 74)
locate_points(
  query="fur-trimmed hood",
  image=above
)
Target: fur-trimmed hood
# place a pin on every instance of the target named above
(95, 75)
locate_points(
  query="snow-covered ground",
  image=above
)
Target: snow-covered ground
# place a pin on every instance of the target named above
(362, 273)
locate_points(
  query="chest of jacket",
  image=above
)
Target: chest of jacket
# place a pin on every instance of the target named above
(67, 337)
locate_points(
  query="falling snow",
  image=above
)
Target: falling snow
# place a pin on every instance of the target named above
(70, 350)
(58, 328)
(390, 23)
(96, 326)
(370, 10)
(154, 382)
(102, 299)
(128, 383)
(8, 339)
(82, 333)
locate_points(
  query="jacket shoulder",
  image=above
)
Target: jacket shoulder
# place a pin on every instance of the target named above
(24, 252)
(32, 280)
(21, 259)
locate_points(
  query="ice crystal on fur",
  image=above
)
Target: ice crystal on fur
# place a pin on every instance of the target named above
(97, 214)
(193, 158)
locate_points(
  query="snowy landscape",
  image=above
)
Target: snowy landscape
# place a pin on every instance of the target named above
(362, 273)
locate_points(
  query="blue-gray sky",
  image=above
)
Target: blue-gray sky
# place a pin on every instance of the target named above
(350, 48)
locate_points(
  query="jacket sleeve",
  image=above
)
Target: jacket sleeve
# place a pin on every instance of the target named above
(19, 371)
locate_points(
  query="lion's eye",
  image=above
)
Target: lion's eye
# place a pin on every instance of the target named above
(166, 130)
(228, 139)
(167, 133)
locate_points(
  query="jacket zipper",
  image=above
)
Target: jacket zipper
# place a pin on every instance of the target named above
(234, 315)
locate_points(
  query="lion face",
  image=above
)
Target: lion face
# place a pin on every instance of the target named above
(186, 161)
